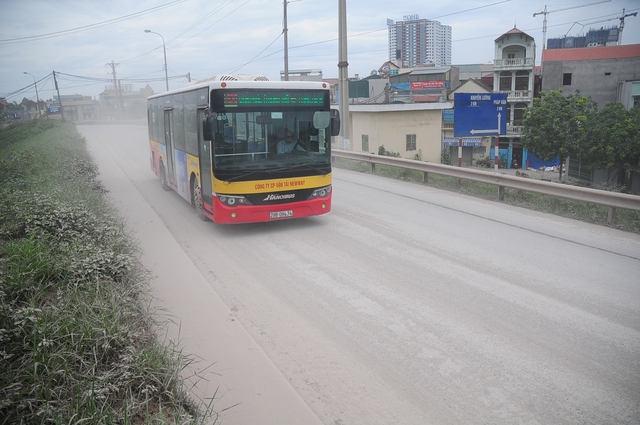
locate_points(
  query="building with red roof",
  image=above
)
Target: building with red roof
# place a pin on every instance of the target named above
(603, 73)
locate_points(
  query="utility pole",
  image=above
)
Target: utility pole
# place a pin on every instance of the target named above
(59, 98)
(120, 103)
(343, 85)
(115, 87)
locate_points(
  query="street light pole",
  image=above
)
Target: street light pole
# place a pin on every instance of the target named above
(164, 50)
(286, 44)
(37, 97)
(285, 31)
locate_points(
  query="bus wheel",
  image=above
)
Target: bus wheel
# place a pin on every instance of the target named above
(163, 178)
(197, 201)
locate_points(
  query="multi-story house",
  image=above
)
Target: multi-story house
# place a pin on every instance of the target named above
(514, 74)
(605, 74)
(601, 73)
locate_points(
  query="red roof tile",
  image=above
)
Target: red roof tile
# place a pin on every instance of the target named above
(513, 30)
(591, 53)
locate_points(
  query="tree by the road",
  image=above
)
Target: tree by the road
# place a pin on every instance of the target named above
(613, 138)
(556, 125)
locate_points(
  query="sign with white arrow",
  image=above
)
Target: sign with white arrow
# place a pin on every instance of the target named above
(479, 114)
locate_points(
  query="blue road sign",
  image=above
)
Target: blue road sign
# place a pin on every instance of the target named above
(53, 108)
(480, 114)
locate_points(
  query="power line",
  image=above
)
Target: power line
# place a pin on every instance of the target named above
(196, 34)
(217, 9)
(365, 33)
(87, 27)
(204, 18)
(252, 59)
(470, 10)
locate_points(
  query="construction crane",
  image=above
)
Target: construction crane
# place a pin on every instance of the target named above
(622, 23)
(545, 12)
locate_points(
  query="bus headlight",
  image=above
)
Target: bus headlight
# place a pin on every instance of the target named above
(232, 201)
(321, 192)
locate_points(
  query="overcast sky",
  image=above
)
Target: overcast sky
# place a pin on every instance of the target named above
(80, 38)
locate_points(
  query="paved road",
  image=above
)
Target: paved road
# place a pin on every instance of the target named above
(405, 304)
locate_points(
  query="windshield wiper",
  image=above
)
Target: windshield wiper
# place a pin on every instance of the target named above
(250, 173)
(311, 167)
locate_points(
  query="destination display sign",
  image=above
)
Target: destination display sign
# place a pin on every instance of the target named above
(267, 98)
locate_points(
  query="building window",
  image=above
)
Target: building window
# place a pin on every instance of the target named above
(365, 143)
(505, 81)
(566, 79)
(522, 80)
(518, 113)
(411, 142)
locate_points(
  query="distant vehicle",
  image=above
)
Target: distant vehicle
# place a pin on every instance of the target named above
(215, 142)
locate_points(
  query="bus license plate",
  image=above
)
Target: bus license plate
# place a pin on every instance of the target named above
(281, 214)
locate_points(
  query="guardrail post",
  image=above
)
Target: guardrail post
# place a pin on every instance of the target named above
(373, 168)
(612, 215)
(425, 177)
(501, 193)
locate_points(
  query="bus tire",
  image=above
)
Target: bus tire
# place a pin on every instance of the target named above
(163, 178)
(196, 193)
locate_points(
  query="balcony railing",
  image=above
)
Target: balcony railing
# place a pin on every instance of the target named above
(518, 95)
(515, 129)
(513, 63)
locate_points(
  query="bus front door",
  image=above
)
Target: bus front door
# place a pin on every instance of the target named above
(168, 139)
(204, 152)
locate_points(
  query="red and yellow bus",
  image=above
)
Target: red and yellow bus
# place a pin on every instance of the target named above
(243, 149)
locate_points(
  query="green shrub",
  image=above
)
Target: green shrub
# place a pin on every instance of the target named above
(77, 338)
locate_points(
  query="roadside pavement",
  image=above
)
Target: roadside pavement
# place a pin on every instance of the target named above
(229, 365)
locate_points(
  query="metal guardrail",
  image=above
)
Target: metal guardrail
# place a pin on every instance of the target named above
(612, 200)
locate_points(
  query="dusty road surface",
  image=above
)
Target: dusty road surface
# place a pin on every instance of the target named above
(404, 305)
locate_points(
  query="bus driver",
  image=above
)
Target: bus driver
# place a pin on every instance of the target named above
(287, 143)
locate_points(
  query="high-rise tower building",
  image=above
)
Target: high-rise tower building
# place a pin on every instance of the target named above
(416, 41)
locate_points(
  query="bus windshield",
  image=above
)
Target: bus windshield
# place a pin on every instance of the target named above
(275, 142)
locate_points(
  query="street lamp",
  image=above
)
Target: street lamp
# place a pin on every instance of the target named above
(164, 50)
(37, 97)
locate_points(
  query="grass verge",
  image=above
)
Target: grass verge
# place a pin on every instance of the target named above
(625, 220)
(77, 336)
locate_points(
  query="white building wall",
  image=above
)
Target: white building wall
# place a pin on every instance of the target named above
(389, 125)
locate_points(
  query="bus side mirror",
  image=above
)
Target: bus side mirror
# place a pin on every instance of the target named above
(335, 122)
(209, 126)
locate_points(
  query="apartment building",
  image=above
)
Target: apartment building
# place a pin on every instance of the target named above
(414, 41)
